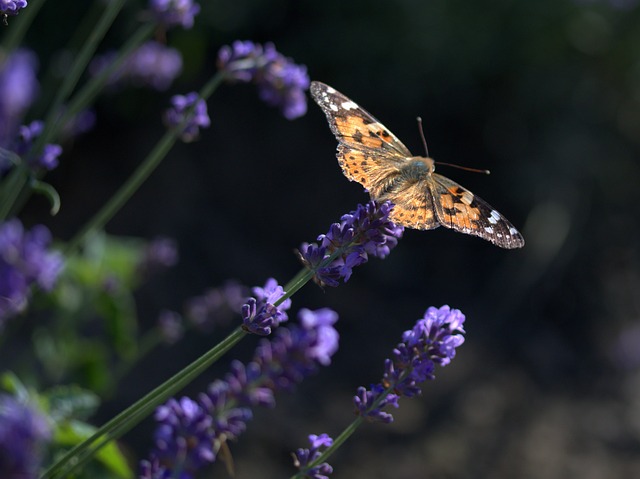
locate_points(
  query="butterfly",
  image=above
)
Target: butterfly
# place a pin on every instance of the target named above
(374, 157)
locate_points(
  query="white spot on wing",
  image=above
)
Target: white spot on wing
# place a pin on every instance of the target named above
(330, 90)
(495, 216)
(349, 105)
(333, 106)
(488, 229)
(513, 231)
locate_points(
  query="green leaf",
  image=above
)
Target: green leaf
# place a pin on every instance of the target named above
(74, 432)
(12, 384)
(49, 192)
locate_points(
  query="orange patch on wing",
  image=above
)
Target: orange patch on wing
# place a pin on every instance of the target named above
(464, 219)
(355, 131)
(421, 218)
(355, 165)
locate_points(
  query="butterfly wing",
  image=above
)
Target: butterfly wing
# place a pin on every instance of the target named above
(459, 209)
(367, 151)
(413, 206)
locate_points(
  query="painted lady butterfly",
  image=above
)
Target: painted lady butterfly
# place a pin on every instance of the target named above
(371, 155)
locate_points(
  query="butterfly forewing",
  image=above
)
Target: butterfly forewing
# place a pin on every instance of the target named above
(353, 126)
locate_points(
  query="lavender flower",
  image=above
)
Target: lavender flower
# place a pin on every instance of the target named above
(80, 123)
(27, 134)
(12, 7)
(181, 106)
(159, 253)
(24, 433)
(216, 306)
(19, 87)
(184, 434)
(171, 326)
(191, 433)
(24, 261)
(174, 12)
(152, 64)
(432, 341)
(303, 457)
(363, 232)
(260, 314)
(281, 83)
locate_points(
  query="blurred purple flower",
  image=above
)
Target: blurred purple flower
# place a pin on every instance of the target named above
(24, 261)
(152, 469)
(303, 457)
(190, 432)
(24, 433)
(82, 122)
(159, 253)
(171, 326)
(152, 64)
(174, 12)
(19, 87)
(12, 7)
(198, 117)
(432, 341)
(281, 83)
(363, 232)
(184, 432)
(216, 306)
(260, 314)
(27, 135)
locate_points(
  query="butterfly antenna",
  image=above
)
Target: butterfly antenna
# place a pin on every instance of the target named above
(424, 140)
(466, 168)
(426, 149)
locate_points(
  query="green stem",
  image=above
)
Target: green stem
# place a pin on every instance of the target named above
(11, 187)
(139, 176)
(135, 413)
(346, 433)
(90, 90)
(15, 193)
(51, 124)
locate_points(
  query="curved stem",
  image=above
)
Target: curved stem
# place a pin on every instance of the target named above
(135, 413)
(139, 176)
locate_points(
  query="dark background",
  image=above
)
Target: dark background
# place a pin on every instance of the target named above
(545, 94)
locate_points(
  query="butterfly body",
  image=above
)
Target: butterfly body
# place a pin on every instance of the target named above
(371, 155)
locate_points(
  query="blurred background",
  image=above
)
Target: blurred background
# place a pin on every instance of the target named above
(545, 94)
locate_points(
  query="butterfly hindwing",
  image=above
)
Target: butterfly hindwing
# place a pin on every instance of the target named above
(413, 207)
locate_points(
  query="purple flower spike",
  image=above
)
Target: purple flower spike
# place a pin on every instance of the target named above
(23, 434)
(184, 432)
(190, 433)
(153, 64)
(27, 135)
(432, 341)
(12, 7)
(193, 106)
(24, 261)
(171, 326)
(281, 83)
(303, 457)
(217, 306)
(19, 85)
(260, 314)
(363, 232)
(175, 12)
